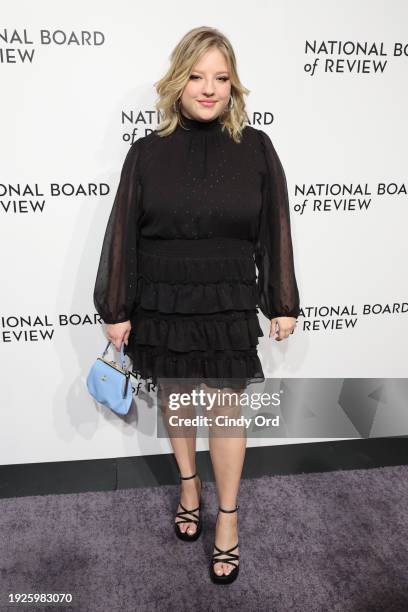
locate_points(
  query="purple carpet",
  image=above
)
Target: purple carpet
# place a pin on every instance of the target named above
(332, 541)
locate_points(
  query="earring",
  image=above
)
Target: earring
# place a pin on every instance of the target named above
(229, 106)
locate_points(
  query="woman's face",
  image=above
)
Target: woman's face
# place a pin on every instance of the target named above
(209, 81)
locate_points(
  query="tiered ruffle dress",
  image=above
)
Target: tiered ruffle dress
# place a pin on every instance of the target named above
(197, 242)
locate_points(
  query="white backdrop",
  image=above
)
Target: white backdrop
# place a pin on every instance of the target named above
(337, 117)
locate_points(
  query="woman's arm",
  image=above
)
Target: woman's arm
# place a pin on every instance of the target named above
(115, 286)
(277, 286)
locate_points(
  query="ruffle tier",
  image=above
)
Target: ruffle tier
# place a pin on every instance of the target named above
(216, 267)
(222, 331)
(196, 297)
(218, 369)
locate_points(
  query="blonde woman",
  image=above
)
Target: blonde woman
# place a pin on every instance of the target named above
(201, 206)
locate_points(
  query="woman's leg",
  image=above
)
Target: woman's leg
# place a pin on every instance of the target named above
(227, 450)
(183, 441)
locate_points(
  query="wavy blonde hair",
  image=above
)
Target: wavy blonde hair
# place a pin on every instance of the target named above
(183, 58)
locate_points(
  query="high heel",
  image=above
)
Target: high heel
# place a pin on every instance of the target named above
(231, 558)
(197, 520)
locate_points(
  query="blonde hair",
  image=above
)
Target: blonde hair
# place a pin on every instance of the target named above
(183, 58)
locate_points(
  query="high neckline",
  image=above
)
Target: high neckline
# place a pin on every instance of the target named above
(196, 125)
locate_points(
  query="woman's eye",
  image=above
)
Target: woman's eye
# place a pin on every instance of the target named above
(196, 76)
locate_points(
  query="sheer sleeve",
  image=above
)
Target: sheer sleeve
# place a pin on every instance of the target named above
(277, 287)
(115, 286)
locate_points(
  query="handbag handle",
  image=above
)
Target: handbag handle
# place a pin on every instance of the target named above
(121, 354)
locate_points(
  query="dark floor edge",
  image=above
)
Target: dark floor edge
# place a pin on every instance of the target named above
(153, 470)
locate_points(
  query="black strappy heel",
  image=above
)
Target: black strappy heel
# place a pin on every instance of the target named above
(197, 520)
(225, 578)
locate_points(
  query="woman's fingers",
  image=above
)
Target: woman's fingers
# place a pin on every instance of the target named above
(282, 331)
(116, 341)
(273, 330)
(118, 333)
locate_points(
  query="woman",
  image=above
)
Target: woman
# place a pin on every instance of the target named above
(201, 204)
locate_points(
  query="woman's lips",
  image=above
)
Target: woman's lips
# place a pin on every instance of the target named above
(208, 104)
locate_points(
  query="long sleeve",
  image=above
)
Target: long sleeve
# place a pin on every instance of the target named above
(115, 286)
(277, 287)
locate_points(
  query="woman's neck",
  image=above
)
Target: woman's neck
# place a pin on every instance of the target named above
(198, 124)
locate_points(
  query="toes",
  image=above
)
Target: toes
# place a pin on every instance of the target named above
(191, 528)
(182, 526)
(221, 568)
(218, 568)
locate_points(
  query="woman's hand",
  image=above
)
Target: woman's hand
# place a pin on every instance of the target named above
(118, 333)
(282, 327)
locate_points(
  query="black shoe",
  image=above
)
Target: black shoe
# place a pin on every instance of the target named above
(197, 520)
(231, 558)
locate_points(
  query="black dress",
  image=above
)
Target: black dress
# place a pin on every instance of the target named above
(195, 216)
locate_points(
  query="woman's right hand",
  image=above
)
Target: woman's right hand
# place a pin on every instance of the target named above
(118, 333)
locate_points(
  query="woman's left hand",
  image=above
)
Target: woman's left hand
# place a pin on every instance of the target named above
(285, 327)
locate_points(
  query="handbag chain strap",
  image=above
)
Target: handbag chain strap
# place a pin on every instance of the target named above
(122, 355)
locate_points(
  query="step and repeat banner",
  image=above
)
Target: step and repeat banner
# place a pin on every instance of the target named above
(327, 82)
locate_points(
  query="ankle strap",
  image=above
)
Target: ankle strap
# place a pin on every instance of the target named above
(222, 509)
(187, 477)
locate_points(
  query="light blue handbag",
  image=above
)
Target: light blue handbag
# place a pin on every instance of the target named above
(109, 383)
